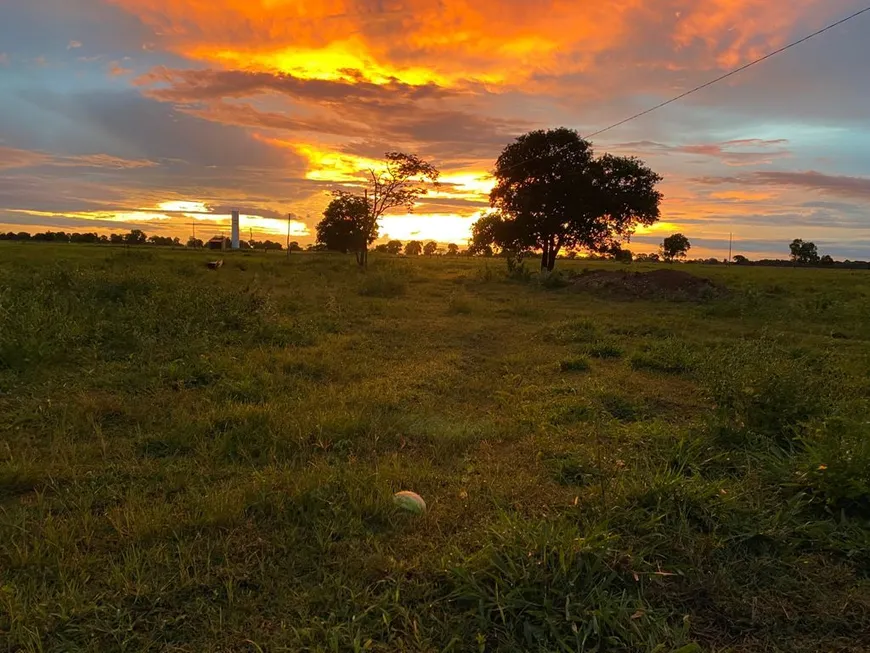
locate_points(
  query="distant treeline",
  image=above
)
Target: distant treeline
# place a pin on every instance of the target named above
(824, 262)
(135, 237)
(416, 248)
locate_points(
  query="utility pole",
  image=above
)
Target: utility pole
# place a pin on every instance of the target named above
(289, 217)
(730, 247)
(193, 224)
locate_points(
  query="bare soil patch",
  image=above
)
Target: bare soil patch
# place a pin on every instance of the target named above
(662, 284)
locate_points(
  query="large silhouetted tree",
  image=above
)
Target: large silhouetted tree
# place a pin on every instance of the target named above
(414, 248)
(430, 248)
(552, 193)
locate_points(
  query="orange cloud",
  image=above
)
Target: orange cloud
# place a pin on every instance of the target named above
(498, 42)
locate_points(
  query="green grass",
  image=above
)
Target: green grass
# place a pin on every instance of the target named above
(196, 460)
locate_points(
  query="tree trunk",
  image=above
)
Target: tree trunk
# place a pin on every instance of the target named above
(553, 254)
(545, 257)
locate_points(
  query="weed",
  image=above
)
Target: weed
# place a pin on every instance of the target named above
(669, 356)
(604, 349)
(761, 389)
(576, 364)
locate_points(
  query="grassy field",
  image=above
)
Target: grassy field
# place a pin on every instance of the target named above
(196, 460)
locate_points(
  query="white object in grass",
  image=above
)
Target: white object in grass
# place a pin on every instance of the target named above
(410, 501)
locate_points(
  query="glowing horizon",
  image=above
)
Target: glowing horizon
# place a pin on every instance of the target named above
(170, 112)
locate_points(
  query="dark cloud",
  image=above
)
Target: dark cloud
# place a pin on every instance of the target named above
(374, 117)
(183, 86)
(17, 221)
(739, 152)
(124, 124)
(839, 185)
(16, 158)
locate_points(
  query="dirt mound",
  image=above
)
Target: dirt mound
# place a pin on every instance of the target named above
(667, 284)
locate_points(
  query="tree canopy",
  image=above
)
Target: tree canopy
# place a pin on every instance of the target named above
(552, 193)
(414, 248)
(430, 248)
(345, 226)
(674, 247)
(804, 252)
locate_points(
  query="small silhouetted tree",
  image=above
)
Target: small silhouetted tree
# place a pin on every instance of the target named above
(804, 252)
(827, 260)
(739, 259)
(394, 247)
(266, 245)
(675, 247)
(162, 241)
(622, 255)
(452, 249)
(414, 248)
(136, 237)
(191, 242)
(430, 248)
(295, 247)
(346, 226)
(402, 181)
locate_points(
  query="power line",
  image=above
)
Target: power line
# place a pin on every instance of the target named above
(712, 81)
(732, 73)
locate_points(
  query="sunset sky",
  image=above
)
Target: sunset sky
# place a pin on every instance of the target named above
(156, 114)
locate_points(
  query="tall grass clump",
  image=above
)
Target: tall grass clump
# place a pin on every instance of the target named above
(834, 466)
(761, 390)
(669, 356)
(550, 586)
(386, 282)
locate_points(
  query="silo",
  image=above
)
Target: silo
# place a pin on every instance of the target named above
(235, 234)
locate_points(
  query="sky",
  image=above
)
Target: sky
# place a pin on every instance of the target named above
(166, 115)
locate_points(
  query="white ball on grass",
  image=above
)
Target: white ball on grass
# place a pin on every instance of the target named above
(410, 501)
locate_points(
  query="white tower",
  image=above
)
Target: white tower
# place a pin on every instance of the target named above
(235, 234)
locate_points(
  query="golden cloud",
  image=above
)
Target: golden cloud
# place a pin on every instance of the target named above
(499, 42)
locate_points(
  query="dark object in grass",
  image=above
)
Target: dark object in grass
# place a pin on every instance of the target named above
(214, 265)
(667, 284)
(574, 365)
